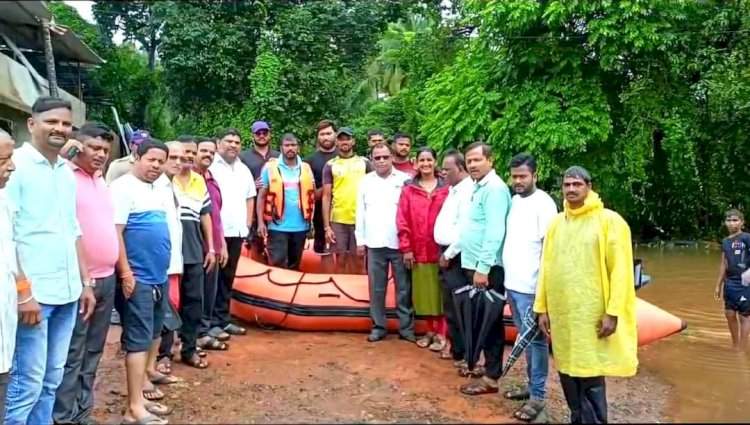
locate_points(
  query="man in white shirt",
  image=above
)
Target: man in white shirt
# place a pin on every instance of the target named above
(447, 230)
(375, 231)
(8, 266)
(530, 214)
(237, 186)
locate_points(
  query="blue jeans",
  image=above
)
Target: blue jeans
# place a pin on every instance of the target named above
(38, 365)
(537, 354)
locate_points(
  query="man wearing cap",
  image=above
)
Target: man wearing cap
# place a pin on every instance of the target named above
(122, 166)
(586, 299)
(341, 178)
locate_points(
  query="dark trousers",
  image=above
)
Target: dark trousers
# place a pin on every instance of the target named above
(586, 397)
(4, 378)
(74, 399)
(378, 262)
(494, 343)
(452, 278)
(319, 233)
(191, 306)
(209, 300)
(285, 248)
(220, 317)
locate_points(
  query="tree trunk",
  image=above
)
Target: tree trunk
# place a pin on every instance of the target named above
(49, 59)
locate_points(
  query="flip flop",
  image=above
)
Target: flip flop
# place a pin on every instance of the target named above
(211, 343)
(156, 394)
(530, 411)
(146, 420)
(478, 387)
(517, 395)
(233, 329)
(164, 380)
(425, 341)
(158, 408)
(195, 361)
(219, 334)
(438, 343)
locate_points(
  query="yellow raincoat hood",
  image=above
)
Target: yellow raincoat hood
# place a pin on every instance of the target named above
(587, 272)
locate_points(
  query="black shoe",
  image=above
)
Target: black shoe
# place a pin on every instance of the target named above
(375, 337)
(409, 338)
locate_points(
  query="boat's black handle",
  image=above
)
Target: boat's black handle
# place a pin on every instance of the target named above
(329, 295)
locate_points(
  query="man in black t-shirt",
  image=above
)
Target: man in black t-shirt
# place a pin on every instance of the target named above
(735, 259)
(326, 149)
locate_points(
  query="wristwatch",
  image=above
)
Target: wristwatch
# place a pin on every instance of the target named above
(91, 283)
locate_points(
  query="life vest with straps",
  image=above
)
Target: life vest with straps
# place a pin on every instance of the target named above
(273, 209)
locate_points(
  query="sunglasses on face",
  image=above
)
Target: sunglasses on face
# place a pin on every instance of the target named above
(261, 133)
(381, 158)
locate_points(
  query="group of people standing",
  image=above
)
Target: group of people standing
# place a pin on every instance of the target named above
(161, 237)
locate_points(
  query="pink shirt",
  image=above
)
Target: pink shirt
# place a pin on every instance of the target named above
(96, 216)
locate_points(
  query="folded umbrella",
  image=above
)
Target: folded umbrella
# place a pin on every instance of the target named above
(522, 340)
(478, 309)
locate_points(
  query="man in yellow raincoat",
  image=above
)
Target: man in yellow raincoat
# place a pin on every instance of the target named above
(586, 298)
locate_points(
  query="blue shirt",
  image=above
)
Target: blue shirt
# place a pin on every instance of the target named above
(483, 234)
(292, 221)
(142, 207)
(45, 225)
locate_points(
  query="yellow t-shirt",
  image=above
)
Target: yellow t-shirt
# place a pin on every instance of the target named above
(344, 176)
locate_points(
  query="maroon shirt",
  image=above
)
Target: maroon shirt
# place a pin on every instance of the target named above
(214, 193)
(406, 167)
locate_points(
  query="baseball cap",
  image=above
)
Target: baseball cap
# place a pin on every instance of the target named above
(345, 130)
(260, 125)
(139, 137)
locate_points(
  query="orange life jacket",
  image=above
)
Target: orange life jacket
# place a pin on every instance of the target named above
(273, 209)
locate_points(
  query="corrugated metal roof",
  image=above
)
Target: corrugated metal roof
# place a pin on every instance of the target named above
(21, 20)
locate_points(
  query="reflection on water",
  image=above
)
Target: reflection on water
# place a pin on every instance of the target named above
(711, 382)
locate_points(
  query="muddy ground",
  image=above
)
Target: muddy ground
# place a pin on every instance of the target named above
(293, 377)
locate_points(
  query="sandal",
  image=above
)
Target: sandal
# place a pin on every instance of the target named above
(530, 411)
(211, 343)
(161, 379)
(446, 355)
(164, 366)
(153, 394)
(195, 361)
(219, 334)
(478, 372)
(479, 387)
(460, 364)
(157, 408)
(233, 329)
(146, 420)
(438, 343)
(426, 340)
(200, 352)
(518, 395)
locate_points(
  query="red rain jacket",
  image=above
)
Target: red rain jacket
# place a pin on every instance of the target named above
(417, 213)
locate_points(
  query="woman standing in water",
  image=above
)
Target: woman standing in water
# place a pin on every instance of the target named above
(735, 258)
(419, 205)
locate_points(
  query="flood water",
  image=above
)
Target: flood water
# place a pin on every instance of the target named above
(711, 382)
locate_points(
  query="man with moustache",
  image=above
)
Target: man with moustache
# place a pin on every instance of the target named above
(531, 212)
(195, 209)
(121, 166)
(237, 211)
(376, 233)
(325, 151)
(206, 153)
(586, 298)
(95, 210)
(402, 151)
(141, 217)
(286, 204)
(341, 178)
(11, 277)
(50, 251)
(374, 137)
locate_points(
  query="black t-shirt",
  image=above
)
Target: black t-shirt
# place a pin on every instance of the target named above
(737, 252)
(317, 162)
(255, 161)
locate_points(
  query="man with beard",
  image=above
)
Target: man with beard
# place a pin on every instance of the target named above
(374, 137)
(50, 251)
(141, 217)
(402, 151)
(326, 150)
(95, 209)
(237, 211)
(341, 178)
(531, 212)
(195, 209)
(286, 203)
(206, 153)
(586, 298)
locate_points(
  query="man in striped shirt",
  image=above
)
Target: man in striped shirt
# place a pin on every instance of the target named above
(197, 249)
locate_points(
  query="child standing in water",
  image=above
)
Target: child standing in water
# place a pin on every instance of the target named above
(735, 259)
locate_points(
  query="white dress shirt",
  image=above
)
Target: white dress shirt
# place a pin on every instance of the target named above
(377, 203)
(8, 309)
(237, 185)
(454, 211)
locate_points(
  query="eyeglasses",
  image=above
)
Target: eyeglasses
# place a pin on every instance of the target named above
(261, 133)
(381, 158)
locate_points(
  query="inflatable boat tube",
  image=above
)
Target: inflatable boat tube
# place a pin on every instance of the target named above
(307, 300)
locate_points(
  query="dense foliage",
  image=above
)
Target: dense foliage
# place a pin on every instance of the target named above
(653, 96)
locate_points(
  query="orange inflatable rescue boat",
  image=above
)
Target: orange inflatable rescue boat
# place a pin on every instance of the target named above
(308, 300)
